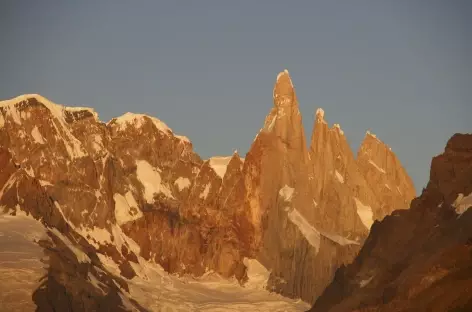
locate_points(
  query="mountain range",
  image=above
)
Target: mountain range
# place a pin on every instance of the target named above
(117, 202)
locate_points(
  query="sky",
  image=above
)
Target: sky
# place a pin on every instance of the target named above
(401, 68)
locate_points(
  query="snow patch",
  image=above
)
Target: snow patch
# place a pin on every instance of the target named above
(462, 203)
(339, 177)
(183, 138)
(320, 113)
(38, 138)
(365, 213)
(45, 183)
(220, 164)
(123, 211)
(182, 183)
(309, 232)
(257, 274)
(371, 134)
(7, 185)
(96, 283)
(376, 166)
(364, 283)
(151, 180)
(95, 236)
(286, 192)
(205, 192)
(338, 127)
(280, 75)
(338, 239)
(79, 254)
(272, 123)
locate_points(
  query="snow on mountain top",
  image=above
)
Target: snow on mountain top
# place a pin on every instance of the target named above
(338, 127)
(279, 76)
(183, 138)
(72, 144)
(320, 113)
(284, 72)
(138, 120)
(370, 133)
(56, 109)
(220, 164)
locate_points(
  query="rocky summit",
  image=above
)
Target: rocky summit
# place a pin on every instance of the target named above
(124, 203)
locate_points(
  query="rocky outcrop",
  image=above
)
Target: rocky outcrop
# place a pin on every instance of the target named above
(417, 259)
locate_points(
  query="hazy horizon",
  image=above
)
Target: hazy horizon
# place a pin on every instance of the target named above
(399, 68)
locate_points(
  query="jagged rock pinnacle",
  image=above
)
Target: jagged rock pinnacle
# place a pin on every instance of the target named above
(284, 92)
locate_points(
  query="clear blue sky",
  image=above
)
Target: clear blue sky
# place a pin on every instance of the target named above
(207, 68)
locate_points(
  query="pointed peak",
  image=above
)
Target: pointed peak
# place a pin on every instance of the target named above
(338, 127)
(319, 117)
(283, 73)
(369, 133)
(284, 93)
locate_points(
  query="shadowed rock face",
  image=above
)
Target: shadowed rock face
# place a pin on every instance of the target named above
(132, 188)
(417, 259)
(77, 282)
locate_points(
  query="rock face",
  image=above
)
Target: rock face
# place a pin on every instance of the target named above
(385, 175)
(131, 190)
(417, 259)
